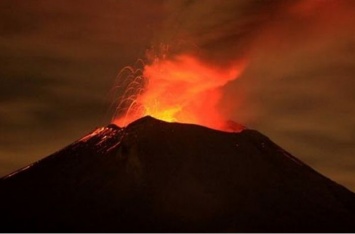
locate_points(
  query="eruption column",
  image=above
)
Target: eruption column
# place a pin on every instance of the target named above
(182, 89)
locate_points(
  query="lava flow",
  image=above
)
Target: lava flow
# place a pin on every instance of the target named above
(182, 89)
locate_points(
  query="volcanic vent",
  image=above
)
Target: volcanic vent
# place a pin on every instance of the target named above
(154, 176)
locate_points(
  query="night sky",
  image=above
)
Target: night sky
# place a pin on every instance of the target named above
(59, 60)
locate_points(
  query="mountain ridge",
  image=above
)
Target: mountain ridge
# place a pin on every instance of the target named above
(154, 176)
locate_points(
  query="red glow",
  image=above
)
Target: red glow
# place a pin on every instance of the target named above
(182, 90)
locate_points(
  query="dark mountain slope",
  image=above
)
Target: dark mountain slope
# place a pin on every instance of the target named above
(155, 176)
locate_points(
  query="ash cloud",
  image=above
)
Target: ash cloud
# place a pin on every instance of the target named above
(298, 85)
(217, 31)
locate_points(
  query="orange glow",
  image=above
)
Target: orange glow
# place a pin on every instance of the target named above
(182, 89)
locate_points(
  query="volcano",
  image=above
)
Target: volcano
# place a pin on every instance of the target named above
(154, 176)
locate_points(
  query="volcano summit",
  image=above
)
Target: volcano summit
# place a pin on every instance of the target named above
(154, 176)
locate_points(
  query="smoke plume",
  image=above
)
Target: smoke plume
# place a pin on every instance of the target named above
(295, 63)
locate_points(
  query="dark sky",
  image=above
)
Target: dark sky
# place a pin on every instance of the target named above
(59, 61)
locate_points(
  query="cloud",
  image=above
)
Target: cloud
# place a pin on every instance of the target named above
(59, 61)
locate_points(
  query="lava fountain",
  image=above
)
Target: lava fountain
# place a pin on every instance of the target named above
(180, 89)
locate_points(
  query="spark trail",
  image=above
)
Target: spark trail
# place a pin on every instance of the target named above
(179, 89)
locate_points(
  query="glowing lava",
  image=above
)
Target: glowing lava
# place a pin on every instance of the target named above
(182, 89)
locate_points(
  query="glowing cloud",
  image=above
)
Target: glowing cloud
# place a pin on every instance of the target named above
(182, 89)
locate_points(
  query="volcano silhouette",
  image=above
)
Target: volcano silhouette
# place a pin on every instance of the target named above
(154, 176)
